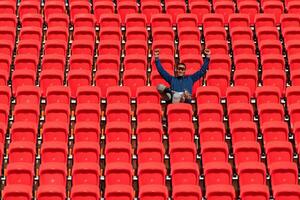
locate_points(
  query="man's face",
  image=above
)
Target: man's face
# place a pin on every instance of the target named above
(180, 70)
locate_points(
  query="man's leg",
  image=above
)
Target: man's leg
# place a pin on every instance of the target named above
(165, 92)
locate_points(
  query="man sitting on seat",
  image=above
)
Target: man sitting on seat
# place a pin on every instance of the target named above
(181, 85)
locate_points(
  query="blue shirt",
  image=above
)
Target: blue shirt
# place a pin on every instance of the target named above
(182, 83)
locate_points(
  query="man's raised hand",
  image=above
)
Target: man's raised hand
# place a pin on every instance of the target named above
(206, 52)
(156, 53)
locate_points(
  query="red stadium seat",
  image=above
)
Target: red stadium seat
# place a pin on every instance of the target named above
(110, 33)
(85, 174)
(238, 20)
(214, 33)
(57, 32)
(54, 152)
(210, 112)
(212, 20)
(289, 20)
(26, 113)
(29, 47)
(174, 8)
(81, 192)
(45, 192)
(283, 173)
(275, 131)
(292, 95)
(136, 33)
(179, 112)
(6, 47)
(135, 20)
(84, 33)
(267, 94)
(54, 7)
(252, 173)
(118, 132)
(274, 7)
(150, 8)
(50, 78)
(58, 20)
(82, 47)
(294, 111)
(271, 61)
(108, 62)
(279, 151)
(88, 112)
(200, 8)
(135, 62)
(270, 112)
(77, 78)
(125, 8)
(226, 8)
(86, 131)
(220, 192)
(118, 94)
(53, 131)
(187, 192)
(105, 79)
(220, 61)
(246, 78)
(185, 174)
(163, 33)
(217, 46)
(4, 112)
(240, 112)
(118, 173)
(33, 20)
(88, 94)
(119, 191)
(21, 152)
(84, 20)
(208, 94)
(109, 20)
(275, 78)
(9, 33)
(293, 7)
(255, 191)
(11, 192)
(118, 112)
(214, 152)
(57, 112)
(8, 7)
(19, 173)
(237, 94)
(181, 133)
(211, 131)
(5, 95)
(189, 33)
(149, 152)
(243, 131)
(189, 47)
(149, 132)
(152, 174)
(147, 94)
(248, 151)
(58, 94)
(282, 191)
(86, 152)
(218, 78)
(153, 192)
(53, 174)
(81, 62)
(241, 33)
(79, 7)
(117, 152)
(134, 79)
(5, 62)
(149, 112)
(187, 20)
(249, 7)
(184, 151)
(161, 20)
(216, 173)
(26, 7)
(103, 10)
(28, 95)
(267, 33)
(110, 47)
(55, 47)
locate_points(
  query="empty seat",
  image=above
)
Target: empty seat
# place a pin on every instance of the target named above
(50, 78)
(110, 33)
(218, 78)
(200, 8)
(26, 61)
(58, 20)
(23, 131)
(57, 112)
(118, 132)
(105, 79)
(238, 20)
(19, 173)
(179, 112)
(243, 47)
(6, 47)
(212, 20)
(86, 152)
(86, 131)
(117, 152)
(103, 9)
(77, 78)
(181, 133)
(270, 112)
(84, 20)
(136, 33)
(135, 20)
(275, 78)
(21, 152)
(289, 20)
(246, 78)
(279, 151)
(251, 173)
(243, 131)
(208, 94)
(135, 61)
(26, 113)
(249, 7)
(58, 94)
(187, 191)
(118, 173)
(271, 61)
(58, 33)
(291, 33)
(162, 33)
(118, 112)
(80, 192)
(189, 47)
(4, 112)
(267, 94)
(185, 173)
(118, 94)
(186, 20)
(161, 20)
(214, 152)
(150, 8)
(45, 192)
(149, 152)
(255, 191)
(125, 8)
(174, 8)
(211, 131)
(54, 152)
(32, 20)
(85, 174)
(53, 174)
(226, 8)
(153, 191)
(108, 62)
(149, 112)
(184, 151)
(270, 47)
(28, 95)
(54, 7)
(89, 112)
(81, 62)
(108, 20)
(134, 79)
(119, 191)
(79, 7)
(220, 192)
(274, 7)
(11, 192)
(53, 131)
(267, 33)
(240, 112)
(293, 7)
(110, 47)
(26, 7)
(8, 20)
(283, 173)
(151, 174)
(55, 47)
(82, 47)
(9, 33)
(136, 47)
(53, 62)
(5, 62)
(294, 111)
(5, 95)
(265, 20)
(216, 173)
(88, 94)
(29, 47)
(214, 33)
(282, 191)
(8, 7)
(149, 132)
(241, 33)
(248, 151)
(217, 46)
(275, 131)
(210, 112)
(147, 94)
(237, 94)
(188, 33)
(292, 95)
(295, 77)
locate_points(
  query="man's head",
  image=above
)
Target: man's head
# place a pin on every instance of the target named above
(180, 69)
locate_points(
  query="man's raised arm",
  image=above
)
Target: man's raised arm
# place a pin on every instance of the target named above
(160, 68)
(197, 75)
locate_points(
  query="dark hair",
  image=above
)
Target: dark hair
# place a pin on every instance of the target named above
(181, 64)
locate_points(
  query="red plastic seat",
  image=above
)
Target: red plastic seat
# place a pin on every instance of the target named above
(192, 192)
(88, 94)
(103, 9)
(108, 62)
(267, 33)
(84, 20)
(189, 47)
(238, 94)
(5, 62)
(246, 78)
(6, 47)
(220, 61)
(241, 33)
(150, 8)
(28, 95)
(212, 20)
(81, 192)
(50, 78)
(147, 94)
(23, 131)
(149, 152)
(251, 173)
(135, 20)
(9, 33)
(53, 174)
(179, 112)
(216, 173)
(218, 78)
(162, 33)
(118, 94)
(58, 20)
(267, 47)
(58, 94)
(149, 132)
(240, 112)
(149, 112)
(55, 47)
(246, 151)
(294, 60)
(29, 47)
(82, 47)
(79, 7)
(32, 20)
(117, 152)
(275, 78)
(110, 33)
(243, 47)
(186, 20)
(108, 20)
(126, 7)
(105, 79)
(167, 61)
(54, 7)
(275, 131)
(118, 112)
(81, 62)
(19, 173)
(274, 7)
(21, 152)
(86, 152)
(136, 33)
(161, 20)
(5, 95)
(186, 173)
(220, 192)
(210, 112)
(289, 20)
(8, 7)
(293, 7)
(117, 132)
(26, 7)
(57, 112)
(208, 94)
(295, 77)
(4, 112)
(184, 151)
(217, 47)
(88, 112)
(270, 112)
(135, 61)
(226, 8)
(134, 79)
(243, 131)
(200, 8)
(291, 33)
(58, 33)
(211, 131)
(265, 20)
(119, 191)
(54, 152)
(249, 7)
(255, 191)
(283, 173)
(238, 20)
(86, 131)
(85, 174)
(45, 192)
(136, 47)
(153, 192)
(267, 94)
(11, 192)
(174, 8)
(282, 191)
(214, 152)
(294, 111)
(78, 78)
(188, 33)
(118, 174)
(26, 61)
(26, 113)
(109, 47)
(271, 61)
(279, 151)
(151, 174)
(293, 95)
(53, 131)
(214, 33)
(181, 133)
